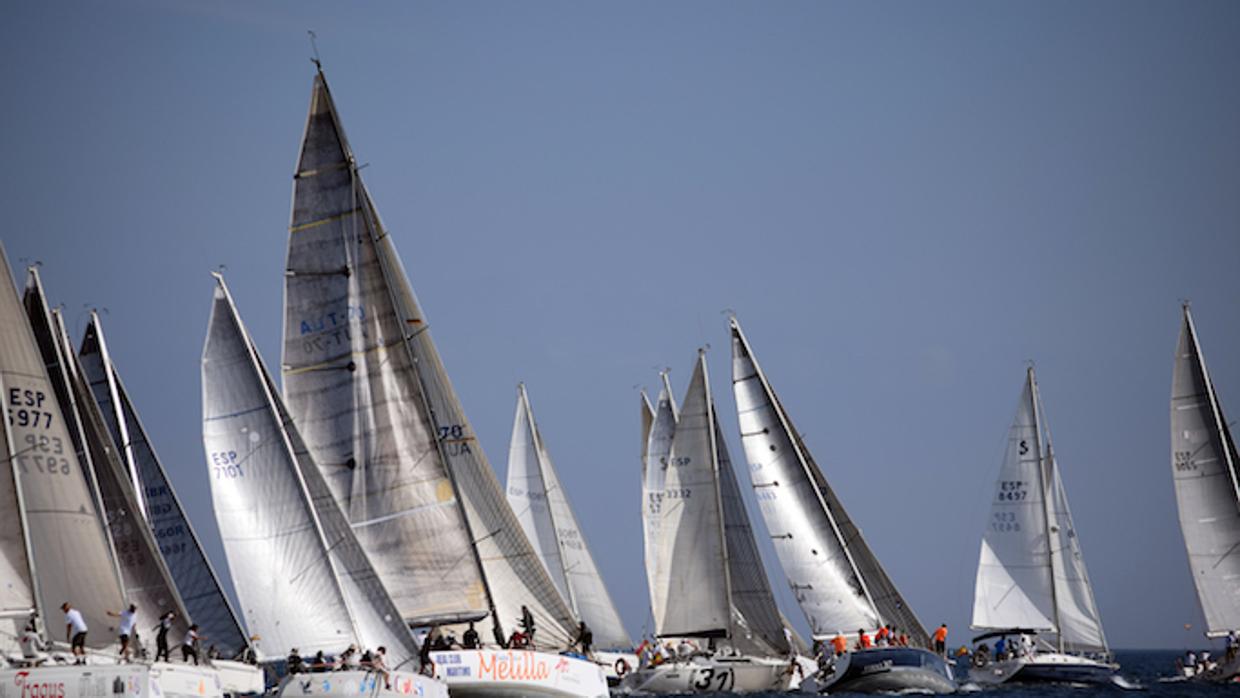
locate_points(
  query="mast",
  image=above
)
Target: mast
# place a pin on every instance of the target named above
(1044, 462)
(714, 460)
(122, 429)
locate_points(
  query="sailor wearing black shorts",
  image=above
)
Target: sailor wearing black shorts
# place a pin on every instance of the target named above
(75, 632)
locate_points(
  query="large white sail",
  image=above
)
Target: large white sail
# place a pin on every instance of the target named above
(192, 572)
(541, 505)
(1207, 485)
(16, 585)
(836, 579)
(303, 579)
(67, 541)
(366, 386)
(692, 554)
(1031, 573)
(656, 447)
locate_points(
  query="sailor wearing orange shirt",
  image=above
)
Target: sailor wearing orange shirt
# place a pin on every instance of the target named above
(940, 639)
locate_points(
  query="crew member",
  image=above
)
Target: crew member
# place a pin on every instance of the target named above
(189, 646)
(527, 625)
(161, 636)
(940, 639)
(75, 632)
(129, 618)
(839, 643)
(470, 639)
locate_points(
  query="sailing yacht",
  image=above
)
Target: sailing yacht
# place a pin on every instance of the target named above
(302, 577)
(1032, 591)
(838, 582)
(709, 583)
(1207, 493)
(55, 544)
(541, 505)
(367, 389)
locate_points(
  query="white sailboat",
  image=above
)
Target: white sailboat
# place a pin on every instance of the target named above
(55, 545)
(302, 577)
(1032, 590)
(1207, 492)
(838, 582)
(541, 505)
(365, 384)
(709, 581)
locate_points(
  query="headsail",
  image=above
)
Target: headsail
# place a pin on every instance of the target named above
(303, 579)
(656, 447)
(17, 597)
(835, 577)
(67, 542)
(541, 505)
(1207, 484)
(192, 572)
(366, 386)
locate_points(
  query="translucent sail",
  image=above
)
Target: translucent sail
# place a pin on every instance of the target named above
(692, 556)
(145, 578)
(1014, 587)
(656, 448)
(1080, 624)
(16, 585)
(835, 577)
(68, 543)
(1207, 491)
(366, 386)
(195, 579)
(541, 505)
(303, 579)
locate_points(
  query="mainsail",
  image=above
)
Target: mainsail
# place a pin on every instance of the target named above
(1031, 573)
(1207, 485)
(541, 505)
(17, 599)
(834, 576)
(68, 546)
(192, 572)
(303, 579)
(366, 386)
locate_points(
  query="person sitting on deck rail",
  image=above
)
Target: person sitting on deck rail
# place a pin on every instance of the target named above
(470, 639)
(293, 662)
(863, 640)
(839, 643)
(380, 667)
(33, 651)
(880, 637)
(348, 659)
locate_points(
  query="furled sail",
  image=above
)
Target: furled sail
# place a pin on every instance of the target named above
(541, 505)
(656, 447)
(1207, 485)
(836, 579)
(303, 579)
(67, 542)
(366, 386)
(195, 579)
(692, 555)
(1031, 573)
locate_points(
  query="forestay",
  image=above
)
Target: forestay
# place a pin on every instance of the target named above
(656, 447)
(67, 541)
(1207, 488)
(835, 577)
(692, 565)
(541, 505)
(195, 579)
(303, 579)
(366, 384)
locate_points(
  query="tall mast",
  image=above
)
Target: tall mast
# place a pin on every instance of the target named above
(1044, 462)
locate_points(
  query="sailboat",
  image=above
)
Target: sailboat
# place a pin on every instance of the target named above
(710, 585)
(1032, 591)
(541, 505)
(191, 570)
(55, 545)
(1207, 493)
(302, 577)
(365, 385)
(838, 582)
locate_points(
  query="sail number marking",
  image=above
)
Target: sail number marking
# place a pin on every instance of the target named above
(454, 440)
(1004, 522)
(1184, 461)
(717, 679)
(225, 466)
(26, 409)
(1013, 491)
(45, 453)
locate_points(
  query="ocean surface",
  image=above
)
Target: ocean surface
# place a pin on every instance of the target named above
(1144, 667)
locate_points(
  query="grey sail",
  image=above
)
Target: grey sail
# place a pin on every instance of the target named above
(17, 587)
(195, 579)
(1207, 485)
(68, 546)
(302, 577)
(541, 505)
(656, 447)
(834, 575)
(365, 384)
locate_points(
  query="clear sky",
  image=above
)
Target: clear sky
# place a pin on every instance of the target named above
(903, 202)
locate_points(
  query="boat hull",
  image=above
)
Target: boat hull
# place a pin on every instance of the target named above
(1046, 668)
(891, 669)
(159, 680)
(709, 675)
(518, 673)
(358, 683)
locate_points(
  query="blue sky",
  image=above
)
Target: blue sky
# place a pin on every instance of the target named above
(902, 201)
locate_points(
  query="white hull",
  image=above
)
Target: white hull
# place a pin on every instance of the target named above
(1045, 667)
(710, 675)
(518, 673)
(615, 664)
(159, 680)
(357, 683)
(238, 677)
